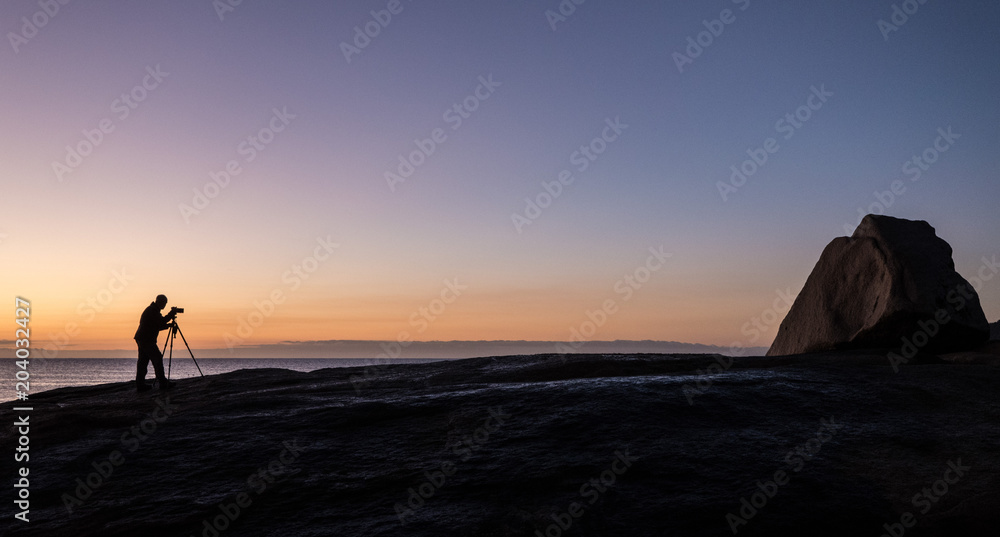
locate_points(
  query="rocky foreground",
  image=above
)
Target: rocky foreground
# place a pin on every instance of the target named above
(593, 445)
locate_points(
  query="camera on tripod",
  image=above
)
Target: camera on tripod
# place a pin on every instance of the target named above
(172, 333)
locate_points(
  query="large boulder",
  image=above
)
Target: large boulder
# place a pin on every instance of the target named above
(883, 286)
(995, 331)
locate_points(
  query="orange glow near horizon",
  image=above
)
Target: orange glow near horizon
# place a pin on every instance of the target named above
(78, 325)
(226, 308)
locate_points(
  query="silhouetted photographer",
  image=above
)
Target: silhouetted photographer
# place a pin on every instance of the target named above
(150, 325)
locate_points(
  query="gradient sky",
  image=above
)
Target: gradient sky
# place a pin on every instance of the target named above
(323, 176)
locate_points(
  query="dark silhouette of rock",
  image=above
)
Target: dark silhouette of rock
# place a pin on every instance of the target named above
(891, 282)
(995, 331)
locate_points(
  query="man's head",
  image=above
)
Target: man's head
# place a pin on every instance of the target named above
(161, 301)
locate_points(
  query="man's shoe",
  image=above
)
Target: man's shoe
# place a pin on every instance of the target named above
(166, 384)
(142, 387)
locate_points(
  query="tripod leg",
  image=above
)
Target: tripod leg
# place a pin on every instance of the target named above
(170, 361)
(167, 342)
(189, 350)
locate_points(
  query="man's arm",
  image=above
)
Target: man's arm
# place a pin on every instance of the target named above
(165, 319)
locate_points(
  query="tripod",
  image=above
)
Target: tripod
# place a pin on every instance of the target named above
(171, 336)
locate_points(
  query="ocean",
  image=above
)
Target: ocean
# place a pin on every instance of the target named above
(62, 372)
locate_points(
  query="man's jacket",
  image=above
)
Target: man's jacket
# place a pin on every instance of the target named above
(150, 324)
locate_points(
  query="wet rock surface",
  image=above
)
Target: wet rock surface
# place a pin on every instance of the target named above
(603, 444)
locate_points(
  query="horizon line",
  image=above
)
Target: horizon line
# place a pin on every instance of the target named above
(381, 349)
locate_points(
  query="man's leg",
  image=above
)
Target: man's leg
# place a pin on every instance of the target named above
(155, 356)
(157, 359)
(141, 367)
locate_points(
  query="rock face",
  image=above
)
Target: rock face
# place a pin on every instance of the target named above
(995, 331)
(881, 287)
